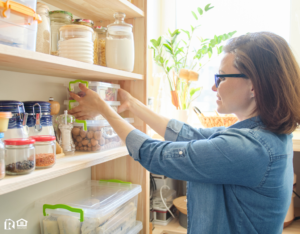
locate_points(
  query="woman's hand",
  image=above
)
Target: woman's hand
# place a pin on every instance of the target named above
(90, 106)
(125, 99)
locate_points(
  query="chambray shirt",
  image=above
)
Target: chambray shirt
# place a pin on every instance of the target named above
(240, 178)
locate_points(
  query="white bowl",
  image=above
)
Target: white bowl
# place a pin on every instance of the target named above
(69, 43)
(74, 46)
(77, 50)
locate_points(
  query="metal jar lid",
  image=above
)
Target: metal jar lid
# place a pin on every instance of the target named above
(85, 22)
(15, 107)
(61, 12)
(100, 29)
(42, 107)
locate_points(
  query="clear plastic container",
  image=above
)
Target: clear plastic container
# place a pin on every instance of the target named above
(43, 40)
(95, 135)
(19, 156)
(137, 228)
(2, 156)
(90, 207)
(18, 24)
(73, 41)
(100, 50)
(120, 44)
(45, 151)
(57, 20)
(72, 103)
(107, 91)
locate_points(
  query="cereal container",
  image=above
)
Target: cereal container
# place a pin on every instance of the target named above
(101, 35)
(2, 156)
(45, 151)
(19, 156)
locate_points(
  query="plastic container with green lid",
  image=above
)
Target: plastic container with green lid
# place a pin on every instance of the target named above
(90, 207)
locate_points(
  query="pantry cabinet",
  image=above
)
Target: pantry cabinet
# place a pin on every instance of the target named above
(27, 75)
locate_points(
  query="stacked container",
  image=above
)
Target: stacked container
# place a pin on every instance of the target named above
(76, 42)
(18, 23)
(91, 207)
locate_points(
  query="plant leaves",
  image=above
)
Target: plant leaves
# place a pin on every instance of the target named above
(187, 32)
(168, 48)
(207, 7)
(192, 28)
(154, 43)
(194, 14)
(200, 11)
(158, 41)
(194, 90)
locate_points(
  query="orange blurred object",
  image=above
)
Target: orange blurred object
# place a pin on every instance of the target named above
(217, 121)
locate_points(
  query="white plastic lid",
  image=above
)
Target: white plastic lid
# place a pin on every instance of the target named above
(95, 198)
(137, 228)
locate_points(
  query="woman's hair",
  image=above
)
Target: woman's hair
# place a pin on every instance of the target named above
(268, 61)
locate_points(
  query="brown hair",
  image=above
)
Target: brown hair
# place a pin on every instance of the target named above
(268, 61)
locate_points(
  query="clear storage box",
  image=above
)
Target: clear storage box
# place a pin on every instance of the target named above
(72, 103)
(90, 207)
(95, 135)
(18, 24)
(107, 91)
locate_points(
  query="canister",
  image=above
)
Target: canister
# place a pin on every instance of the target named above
(45, 151)
(4, 119)
(39, 118)
(17, 123)
(19, 156)
(2, 155)
(100, 46)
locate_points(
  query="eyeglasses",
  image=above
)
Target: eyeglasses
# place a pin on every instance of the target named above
(218, 76)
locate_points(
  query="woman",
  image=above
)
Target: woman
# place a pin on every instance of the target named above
(239, 178)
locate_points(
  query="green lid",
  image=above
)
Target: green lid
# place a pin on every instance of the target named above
(61, 12)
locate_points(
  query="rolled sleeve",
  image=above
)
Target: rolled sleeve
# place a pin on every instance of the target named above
(173, 129)
(134, 141)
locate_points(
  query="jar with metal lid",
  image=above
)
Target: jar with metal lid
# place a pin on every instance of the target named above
(39, 120)
(120, 44)
(90, 24)
(17, 123)
(57, 20)
(101, 36)
(45, 151)
(19, 156)
(2, 155)
(76, 42)
(43, 40)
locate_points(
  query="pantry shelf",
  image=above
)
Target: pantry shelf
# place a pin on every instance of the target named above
(19, 60)
(63, 166)
(98, 10)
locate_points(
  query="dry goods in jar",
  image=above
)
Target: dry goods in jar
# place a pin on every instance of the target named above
(44, 160)
(20, 166)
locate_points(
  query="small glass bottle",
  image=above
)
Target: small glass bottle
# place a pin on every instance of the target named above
(101, 35)
(45, 151)
(65, 125)
(19, 156)
(57, 20)
(2, 155)
(43, 40)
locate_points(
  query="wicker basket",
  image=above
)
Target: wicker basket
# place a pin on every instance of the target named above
(217, 121)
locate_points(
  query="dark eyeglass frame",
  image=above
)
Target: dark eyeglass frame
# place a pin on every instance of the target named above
(217, 76)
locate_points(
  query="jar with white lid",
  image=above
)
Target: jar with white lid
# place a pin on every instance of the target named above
(76, 42)
(120, 44)
(2, 163)
(45, 151)
(19, 156)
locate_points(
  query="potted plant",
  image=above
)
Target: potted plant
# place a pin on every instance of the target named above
(174, 52)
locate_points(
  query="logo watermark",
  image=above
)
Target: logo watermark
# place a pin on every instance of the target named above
(9, 224)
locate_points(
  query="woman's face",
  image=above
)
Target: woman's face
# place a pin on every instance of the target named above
(234, 95)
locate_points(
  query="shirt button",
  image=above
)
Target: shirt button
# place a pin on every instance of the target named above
(180, 152)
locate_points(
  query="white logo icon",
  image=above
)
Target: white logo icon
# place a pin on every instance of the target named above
(22, 224)
(9, 224)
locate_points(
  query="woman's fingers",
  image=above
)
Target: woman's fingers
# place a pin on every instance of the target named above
(75, 96)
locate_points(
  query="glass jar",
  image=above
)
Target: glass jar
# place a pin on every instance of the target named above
(19, 156)
(45, 151)
(101, 35)
(120, 44)
(57, 20)
(76, 42)
(2, 155)
(43, 40)
(90, 24)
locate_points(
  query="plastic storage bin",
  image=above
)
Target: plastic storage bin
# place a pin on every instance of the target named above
(137, 228)
(18, 24)
(90, 207)
(95, 135)
(107, 91)
(39, 120)
(72, 103)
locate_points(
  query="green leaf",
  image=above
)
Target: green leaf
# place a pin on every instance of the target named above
(200, 11)
(207, 7)
(161, 60)
(169, 49)
(194, 14)
(158, 41)
(194, 90)
(187, 32)
(184, 42)
(220, 49)
(209, 52)
(231, 33)
(154, 43)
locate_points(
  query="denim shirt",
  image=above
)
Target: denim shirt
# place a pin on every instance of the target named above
(240, 178)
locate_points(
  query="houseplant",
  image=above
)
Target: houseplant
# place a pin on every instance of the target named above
(173, 52)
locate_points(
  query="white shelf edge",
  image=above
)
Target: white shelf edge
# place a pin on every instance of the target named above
(63, 166)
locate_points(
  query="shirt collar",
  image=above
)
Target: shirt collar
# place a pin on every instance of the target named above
(248, 123)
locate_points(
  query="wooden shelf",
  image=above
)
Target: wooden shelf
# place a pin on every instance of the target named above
(98, 10)
(63, 166)
(171, 228)
(296, 141)
(19, 60)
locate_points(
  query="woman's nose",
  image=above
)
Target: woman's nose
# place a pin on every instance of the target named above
(214, 88)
